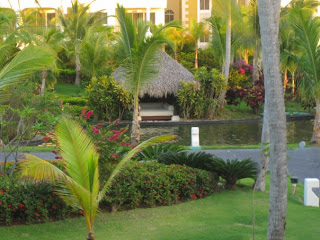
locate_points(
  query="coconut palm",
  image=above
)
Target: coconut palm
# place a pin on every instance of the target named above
(269, 17)
(139, 58)
(175, 35)
(193, 35)
(95, 50)
(229, 12)
(307, 30)
(79, 183)
(75, 26)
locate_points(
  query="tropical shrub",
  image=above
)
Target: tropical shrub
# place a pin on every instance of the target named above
(150, 184)
(107, 98)
(233, 170)
(153, 152)
(200, 160)
(200, 101)
(30, 202)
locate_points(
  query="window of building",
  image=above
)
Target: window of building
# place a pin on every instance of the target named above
(204, 38)
(136, 16)
(169, 16)
(204, 4)
(153, 17)
(51, 19)
(102, 15)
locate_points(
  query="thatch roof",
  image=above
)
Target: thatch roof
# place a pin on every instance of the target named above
(168, 81)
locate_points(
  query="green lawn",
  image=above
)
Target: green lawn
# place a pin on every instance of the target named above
(222, 216)
(65, 90)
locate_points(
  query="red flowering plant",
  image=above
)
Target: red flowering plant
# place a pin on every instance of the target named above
(112, 142)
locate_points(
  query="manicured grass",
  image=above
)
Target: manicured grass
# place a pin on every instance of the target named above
(222, 216)
(242, 111)
(36, 149)
(68, 90)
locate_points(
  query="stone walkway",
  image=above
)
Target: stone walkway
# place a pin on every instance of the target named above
(302, 163)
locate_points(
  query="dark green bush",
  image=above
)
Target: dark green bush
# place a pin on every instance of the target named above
(150, 184)
(233, 170)
(79, 101)
(29, 202)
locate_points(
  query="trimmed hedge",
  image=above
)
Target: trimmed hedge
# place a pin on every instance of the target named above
(150, 184)
(29, 202)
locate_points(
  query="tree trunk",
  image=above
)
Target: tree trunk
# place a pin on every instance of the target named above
(135, 130)
(316, 126)
(78, 70)
(293, 83)
(256, 65)
(285, 79)
(246, 57)
(260, 184)
(90, 236)
(269, 15)
(196, 57)
(227, 60)
(43, 84)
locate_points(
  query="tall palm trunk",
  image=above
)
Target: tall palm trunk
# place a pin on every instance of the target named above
(260, 184)
(293, 83)
(135, 131)
(316, 126)
(269, 15)
(285, 79)
(78, 70)
(227, 60)
(256, 63)
(196, 56)
(44, 75)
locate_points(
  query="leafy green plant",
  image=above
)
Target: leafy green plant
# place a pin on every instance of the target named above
(107, 98)
(233, 170)
(153, 152)
(79, 184)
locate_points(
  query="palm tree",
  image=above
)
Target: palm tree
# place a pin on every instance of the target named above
(75, 26)
(79, 184)
(193, 35)
(95, 50)
(307, 30)
(229, 11)
(269, 15)
(139, 57)
(175, 35)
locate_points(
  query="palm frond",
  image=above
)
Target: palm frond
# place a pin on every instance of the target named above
(24, 63)
(39, 169)
(80, 154)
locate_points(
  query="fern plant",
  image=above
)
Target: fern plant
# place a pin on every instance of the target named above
(200, 160)
(233, 170)
(154, 152)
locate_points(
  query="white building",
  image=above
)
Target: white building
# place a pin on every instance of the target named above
(151, 10)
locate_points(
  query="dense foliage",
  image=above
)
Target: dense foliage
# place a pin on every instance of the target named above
(151, 184)
(30, 202)
(108, 99)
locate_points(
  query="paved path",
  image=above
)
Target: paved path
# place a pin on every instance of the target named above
(302, 163)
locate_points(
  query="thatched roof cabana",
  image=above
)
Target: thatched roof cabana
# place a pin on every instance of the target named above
(168, 81)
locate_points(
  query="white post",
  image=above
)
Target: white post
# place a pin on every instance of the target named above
(148, 14)
(195, 141)
(310, 198)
